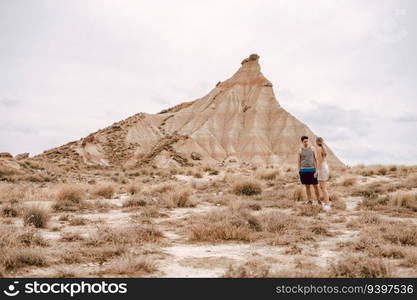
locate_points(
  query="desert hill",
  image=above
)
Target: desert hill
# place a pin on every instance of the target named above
(239, 120)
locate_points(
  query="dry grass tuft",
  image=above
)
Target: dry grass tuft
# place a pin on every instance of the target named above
(179, 198)
(132, 265)
(362, 267)
(309, 210)
(136, 234)
(71, 237)
(247, 188)
(220, 226)
(133, 188)
(268, 174)
(349, 181)
(404, 199)
(160, 189)
(410, 260)
(70, 193)
(36, 216)
(339, 204)
(298, 193)
(251, 269)
(134, 202)
(105, 190)
(11, 210)
(13, 259)
(69, 198)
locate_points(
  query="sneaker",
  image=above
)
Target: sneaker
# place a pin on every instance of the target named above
(326, 207)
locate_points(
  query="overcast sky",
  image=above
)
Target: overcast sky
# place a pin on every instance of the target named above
(347, 69)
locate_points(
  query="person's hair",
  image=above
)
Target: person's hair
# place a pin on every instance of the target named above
(304, 137)
(320, 143)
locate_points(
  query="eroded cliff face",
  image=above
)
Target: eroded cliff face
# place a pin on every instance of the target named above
(240, 120)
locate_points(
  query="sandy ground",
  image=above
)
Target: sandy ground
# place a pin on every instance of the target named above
(178, 257)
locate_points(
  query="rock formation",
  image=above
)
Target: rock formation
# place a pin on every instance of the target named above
(239, 120)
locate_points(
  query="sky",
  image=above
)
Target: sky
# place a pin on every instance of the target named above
(347, 69)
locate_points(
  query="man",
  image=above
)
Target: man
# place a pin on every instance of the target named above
(307, 166)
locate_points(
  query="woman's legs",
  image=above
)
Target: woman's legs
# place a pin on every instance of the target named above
(323, 188)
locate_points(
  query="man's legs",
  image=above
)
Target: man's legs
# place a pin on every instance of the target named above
(308, 192)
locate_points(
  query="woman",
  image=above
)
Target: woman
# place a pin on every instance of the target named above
(323, 172)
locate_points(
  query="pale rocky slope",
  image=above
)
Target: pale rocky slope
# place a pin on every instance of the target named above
(240, 120)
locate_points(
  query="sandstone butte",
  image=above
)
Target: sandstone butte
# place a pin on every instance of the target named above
(238, 121)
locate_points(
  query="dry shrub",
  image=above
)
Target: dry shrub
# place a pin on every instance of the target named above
(220, 226)
(36, 216)
(362, 267)
(69, 198)
(178, 198)
(334, 196)
(284, 229)
(105, 190)
(14, 192)
(150, 212)
(411, 181)
(65, 273)
(198, 175)
(101, 205)
(339, 204)
(134, 202)
(250, 269)
(268, 174)
(19, 248)
(11, 210)
(71, 237)
(410, 260)
(12, 237)
(12, 259)
(388, 251)
(370, 219)
(400, 233)
(70, 193)
(136, 234)
(276, 222)
(160, 189)
(298, 193)
(397, 233)
(133, 188)
(393, 168)
(145, 216)
(77, 221)
(404, 199)
(247, 188)
(309, 210)
(349, 181)
(132, 265)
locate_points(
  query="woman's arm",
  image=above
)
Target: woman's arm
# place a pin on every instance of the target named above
(319, 159)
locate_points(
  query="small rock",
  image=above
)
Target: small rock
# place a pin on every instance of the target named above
(195, 156)
(22, 155)
(5, 155)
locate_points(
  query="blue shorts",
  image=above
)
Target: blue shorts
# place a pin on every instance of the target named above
(307, 176)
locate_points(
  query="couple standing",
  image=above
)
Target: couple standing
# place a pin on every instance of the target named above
(313, 170)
